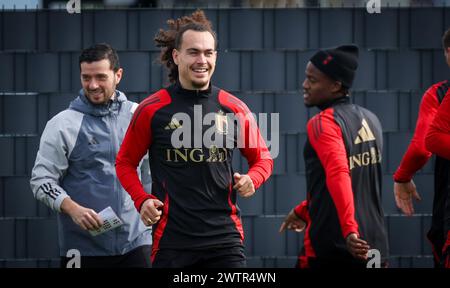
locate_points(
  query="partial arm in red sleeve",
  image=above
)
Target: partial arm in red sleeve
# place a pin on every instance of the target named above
(134, 146)
(438, 136)
(254, 147)
(417, 155)
(301, 210)
(325, 136)
(256, 152)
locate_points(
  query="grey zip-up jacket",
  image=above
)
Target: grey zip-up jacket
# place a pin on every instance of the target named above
(76, 159)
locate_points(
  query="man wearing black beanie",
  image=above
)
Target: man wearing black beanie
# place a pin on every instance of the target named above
(342, 215)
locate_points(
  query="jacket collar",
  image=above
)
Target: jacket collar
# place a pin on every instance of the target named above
(336, 101)
(192, 93)
(83, 105)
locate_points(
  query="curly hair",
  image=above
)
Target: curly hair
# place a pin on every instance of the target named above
(172, 38)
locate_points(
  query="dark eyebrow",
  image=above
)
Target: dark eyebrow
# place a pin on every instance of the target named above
(197, 50)
(96, 75)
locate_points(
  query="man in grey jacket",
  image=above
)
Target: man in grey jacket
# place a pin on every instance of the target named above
(74, 170)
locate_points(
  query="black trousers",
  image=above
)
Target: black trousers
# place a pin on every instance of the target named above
(217, 257)
(136, 258)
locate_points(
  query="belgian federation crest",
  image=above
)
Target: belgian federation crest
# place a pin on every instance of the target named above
(221, 123)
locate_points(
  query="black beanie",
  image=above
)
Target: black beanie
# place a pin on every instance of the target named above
(338, 63)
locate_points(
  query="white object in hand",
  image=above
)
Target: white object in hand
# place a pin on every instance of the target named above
(110, 221)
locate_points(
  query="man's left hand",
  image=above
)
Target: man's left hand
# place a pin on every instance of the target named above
(244, 185)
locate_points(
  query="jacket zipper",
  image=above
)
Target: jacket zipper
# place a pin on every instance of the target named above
(113, 125)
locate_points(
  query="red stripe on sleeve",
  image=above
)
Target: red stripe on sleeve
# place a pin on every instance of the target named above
(438, 136)
(325, 136)
(136, 143)
(417, 154)
(255, 150)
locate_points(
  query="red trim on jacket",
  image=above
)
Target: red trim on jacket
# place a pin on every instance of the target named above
(302, 211)
(446, 251)
(135, 145)
(159, 231)
(326, 138)
(233, 214)
(436, 255)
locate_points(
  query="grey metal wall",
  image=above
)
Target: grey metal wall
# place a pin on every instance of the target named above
(262, 56)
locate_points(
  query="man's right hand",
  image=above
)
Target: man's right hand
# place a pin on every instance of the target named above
(404, 194)
(292, 222)
(357, 247)
(150, 212)
(84, 217)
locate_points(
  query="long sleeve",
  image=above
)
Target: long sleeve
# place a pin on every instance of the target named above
(258, 157)
(57, 142)
(145, 173)
(438, 136)
(417, 154)
(325, 136)
(135, 145)
(251, 143)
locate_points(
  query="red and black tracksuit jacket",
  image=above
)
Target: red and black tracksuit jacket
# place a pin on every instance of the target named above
(417, 156)
(194, 182)
(343, 173)
(438, 142)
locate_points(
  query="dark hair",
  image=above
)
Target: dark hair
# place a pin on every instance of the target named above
(99, 52)
(446, 39)
(195, 27)
(172, 38)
